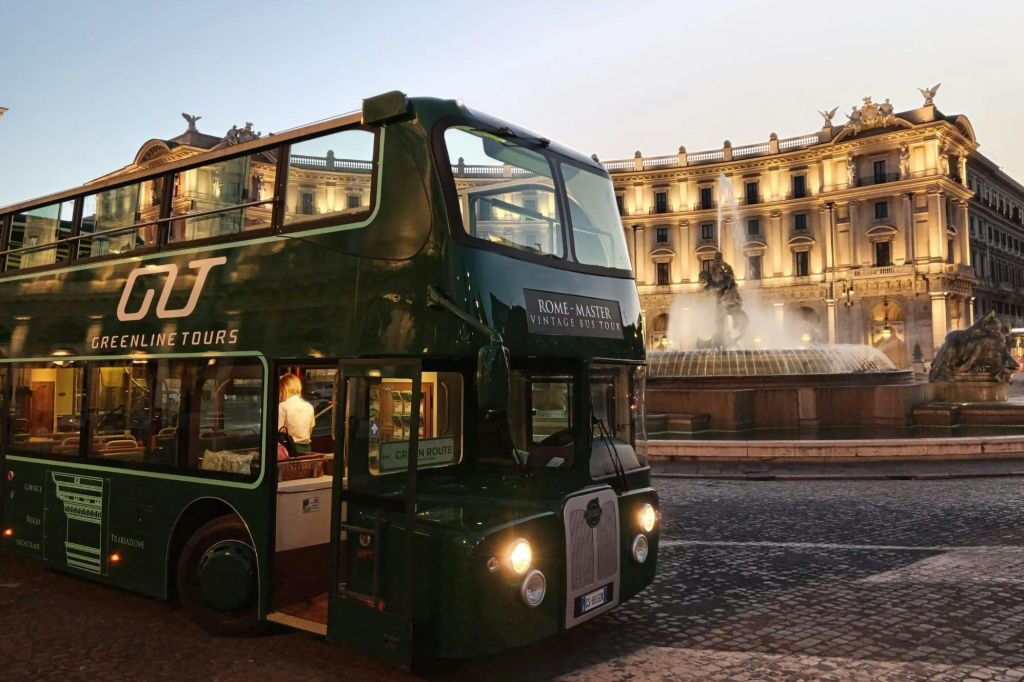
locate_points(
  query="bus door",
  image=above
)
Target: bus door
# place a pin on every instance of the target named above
(373, 507)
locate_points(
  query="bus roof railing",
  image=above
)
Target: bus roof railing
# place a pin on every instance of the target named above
(271, 140)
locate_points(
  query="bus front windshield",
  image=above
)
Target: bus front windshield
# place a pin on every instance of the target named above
(543, 418)
(511, 193)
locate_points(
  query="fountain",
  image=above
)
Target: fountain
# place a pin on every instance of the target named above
(749, 374)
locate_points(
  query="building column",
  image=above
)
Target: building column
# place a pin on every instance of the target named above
(832, 320)
(642, 256)
(939, 319)
(777, 242)
(853, 220)
(936, 226)
(683, 253)
(630, 239)
(908, 205)
(964, 233)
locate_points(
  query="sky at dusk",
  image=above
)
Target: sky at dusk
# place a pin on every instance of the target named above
(88, 83)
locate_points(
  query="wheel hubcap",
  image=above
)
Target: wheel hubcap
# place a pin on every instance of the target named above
(227, 576)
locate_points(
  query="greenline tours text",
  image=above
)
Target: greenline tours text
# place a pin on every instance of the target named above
(177, 339)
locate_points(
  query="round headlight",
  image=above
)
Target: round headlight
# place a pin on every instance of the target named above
(535, 586)
(521, 556)
(640, 548)
(648, 517)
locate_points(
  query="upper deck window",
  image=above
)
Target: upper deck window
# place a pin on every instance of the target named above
(596, 228)
(506, 192)
(121, 219)
(34, 234)
(330, 175)
(224, 197)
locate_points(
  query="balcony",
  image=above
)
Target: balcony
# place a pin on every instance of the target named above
(883, 271)
(877, 179)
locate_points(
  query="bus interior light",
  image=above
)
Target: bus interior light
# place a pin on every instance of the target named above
(521, 556)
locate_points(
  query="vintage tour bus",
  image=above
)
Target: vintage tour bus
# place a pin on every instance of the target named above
(455, 296)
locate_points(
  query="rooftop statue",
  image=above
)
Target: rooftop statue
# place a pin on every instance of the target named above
(871, 115)
(720, 280)
(929, 94)
(191, 122)
(978, 352)
(827, 115)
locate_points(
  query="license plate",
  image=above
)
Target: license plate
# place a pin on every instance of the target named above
(589, 602)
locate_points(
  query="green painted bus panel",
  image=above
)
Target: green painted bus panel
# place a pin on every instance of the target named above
(75, 519)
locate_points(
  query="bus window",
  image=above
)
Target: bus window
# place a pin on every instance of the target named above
(120, 220)
(596, 227)
(330, 176)
(225, 415)
(318, 390)
(506, 192)
(541, 419)
(440, 422)
(32, 230)
(120, 414)
(224, 197)
(47, 401)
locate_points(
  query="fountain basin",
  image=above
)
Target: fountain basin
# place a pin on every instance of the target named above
(793, 388)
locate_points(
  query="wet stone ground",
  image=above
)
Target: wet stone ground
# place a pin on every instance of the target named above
(795, 580)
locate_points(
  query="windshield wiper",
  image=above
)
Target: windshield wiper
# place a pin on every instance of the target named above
(613, 452)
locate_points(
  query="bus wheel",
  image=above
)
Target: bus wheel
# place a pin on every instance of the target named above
(218, 582)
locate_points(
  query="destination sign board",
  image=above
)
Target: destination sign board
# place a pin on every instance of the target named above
(548, 312)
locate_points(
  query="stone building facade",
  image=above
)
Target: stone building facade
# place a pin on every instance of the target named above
(863, 232)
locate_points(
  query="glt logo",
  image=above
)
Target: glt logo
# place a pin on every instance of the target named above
(202, 267)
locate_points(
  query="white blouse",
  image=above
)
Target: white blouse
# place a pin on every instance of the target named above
(296, 415)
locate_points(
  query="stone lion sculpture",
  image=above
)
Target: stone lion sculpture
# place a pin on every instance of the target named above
(980, 350)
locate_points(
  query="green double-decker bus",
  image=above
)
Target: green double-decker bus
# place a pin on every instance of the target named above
(461, 470)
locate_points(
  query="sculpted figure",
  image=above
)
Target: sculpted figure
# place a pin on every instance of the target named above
(929, 94)
(886, 111)
(979, 350)
(191, 122)
(827, 115)
(720, 280)
(851, 171)
(904, 162)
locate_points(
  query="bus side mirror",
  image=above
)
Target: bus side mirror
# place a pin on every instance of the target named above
(492, 378)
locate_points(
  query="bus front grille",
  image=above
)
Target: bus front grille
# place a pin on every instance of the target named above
(592, 555)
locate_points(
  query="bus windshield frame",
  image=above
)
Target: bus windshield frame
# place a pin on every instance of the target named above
(566, 208)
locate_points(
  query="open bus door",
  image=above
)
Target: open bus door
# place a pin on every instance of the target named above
(373, 507)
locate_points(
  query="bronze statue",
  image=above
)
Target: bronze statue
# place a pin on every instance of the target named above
(720, 280)
(980, 352)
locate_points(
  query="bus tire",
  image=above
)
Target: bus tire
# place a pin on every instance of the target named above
(218, 579)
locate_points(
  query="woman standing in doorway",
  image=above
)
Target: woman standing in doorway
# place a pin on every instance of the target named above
(294, 414)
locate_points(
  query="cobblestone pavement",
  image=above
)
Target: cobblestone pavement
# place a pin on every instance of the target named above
(830, 580)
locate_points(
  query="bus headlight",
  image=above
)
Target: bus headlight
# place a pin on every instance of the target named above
(521, 556)
(648, 517)
(640, 548)
(534, 588)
